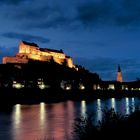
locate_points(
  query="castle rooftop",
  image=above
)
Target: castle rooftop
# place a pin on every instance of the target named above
(51, 50)
(31, 51)
(30, 44)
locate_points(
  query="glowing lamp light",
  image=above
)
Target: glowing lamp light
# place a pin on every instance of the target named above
(17, 85)
(68, 87)
(98, 87)
(42, 86)
(82, 87)
(111, 86)
(83, 108)
(14, 82)
(126, 88)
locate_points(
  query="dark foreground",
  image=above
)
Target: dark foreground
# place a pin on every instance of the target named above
(56, 121)
(10, 96)
(113, 126)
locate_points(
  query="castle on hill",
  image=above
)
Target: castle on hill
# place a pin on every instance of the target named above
(31, 51)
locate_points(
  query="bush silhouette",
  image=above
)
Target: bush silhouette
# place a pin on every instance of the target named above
(113, 125)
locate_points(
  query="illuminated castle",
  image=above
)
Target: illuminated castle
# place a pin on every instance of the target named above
(119, 75)
(32, 51)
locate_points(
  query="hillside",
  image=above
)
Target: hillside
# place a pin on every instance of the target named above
(50, 72)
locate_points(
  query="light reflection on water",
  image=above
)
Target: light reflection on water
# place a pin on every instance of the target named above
(42, 118)
(113, 103)
(99, 110)
(55, 120)
(127, 106)
(83, 108)
(16, 121)
(133, 104)
(42, 114)
(17, 116)
(43, 121)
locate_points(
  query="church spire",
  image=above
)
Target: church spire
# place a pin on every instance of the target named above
(119, 75)
(119, 69)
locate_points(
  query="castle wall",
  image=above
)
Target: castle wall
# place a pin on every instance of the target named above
(58, 60)
(70, 62)
(39, 57)
(119, 77)
(14, 60)
(29, 51)
(58, 55)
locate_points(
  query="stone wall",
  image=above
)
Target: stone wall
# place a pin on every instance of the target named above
(29, 51)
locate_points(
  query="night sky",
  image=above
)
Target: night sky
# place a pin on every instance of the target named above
(98, 34)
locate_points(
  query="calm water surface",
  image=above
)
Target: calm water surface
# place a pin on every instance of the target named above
(55, 120)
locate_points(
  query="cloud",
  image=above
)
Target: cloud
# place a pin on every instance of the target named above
(121, 13)
(89, 13)
(13, 2)
(26, 37)
(90, 28)
(92, 12)
(107, 67)
(7, 51)
(69, 14)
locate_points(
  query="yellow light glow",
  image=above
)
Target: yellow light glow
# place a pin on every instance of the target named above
(98, 87)
(17, 115)
(68, 87)
(14, 82)
(83, 108)
(42, 113)
(34, 53)
(111, 86)
(42, 86)
(17, 85)
(82, 87)
(126, 88)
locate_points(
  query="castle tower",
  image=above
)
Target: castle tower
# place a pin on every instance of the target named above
(119, 75)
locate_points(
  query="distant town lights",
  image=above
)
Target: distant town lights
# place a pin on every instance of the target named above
(17, 85)
(82, 87)
(111, 86)
(68, 87)
(42, 86)
(98, 87)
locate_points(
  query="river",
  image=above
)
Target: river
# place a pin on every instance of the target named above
(54, 121)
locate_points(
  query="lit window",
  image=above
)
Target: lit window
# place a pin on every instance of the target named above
(17, 85)
(82, 87)
(68, 87)
(42, 86)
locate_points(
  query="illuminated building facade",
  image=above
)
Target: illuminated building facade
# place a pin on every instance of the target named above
(31, 51)
(119, 75)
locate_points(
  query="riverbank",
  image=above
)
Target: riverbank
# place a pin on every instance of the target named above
(35, 95)
(113, 125)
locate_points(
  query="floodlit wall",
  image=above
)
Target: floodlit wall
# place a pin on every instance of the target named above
(70, 62)
(14, 60)
(29, 51)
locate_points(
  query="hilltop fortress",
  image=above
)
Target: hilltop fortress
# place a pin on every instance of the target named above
(31, 51)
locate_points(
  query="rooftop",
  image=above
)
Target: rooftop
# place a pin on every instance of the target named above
(30, 44)
(42, 49)
(51, 50)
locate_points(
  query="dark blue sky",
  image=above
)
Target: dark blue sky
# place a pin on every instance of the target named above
(98, 34)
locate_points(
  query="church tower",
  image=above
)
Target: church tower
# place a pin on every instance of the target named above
(119, 75)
